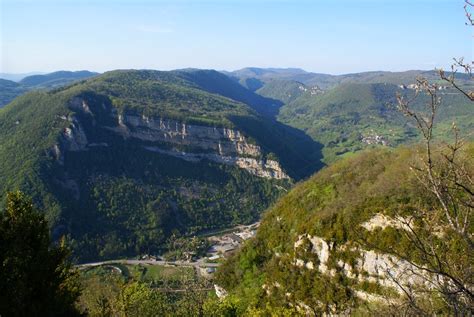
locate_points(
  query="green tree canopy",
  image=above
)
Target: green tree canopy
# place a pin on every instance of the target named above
(36, 278)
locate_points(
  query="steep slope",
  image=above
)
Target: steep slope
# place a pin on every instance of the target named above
(286, 91)
(353, 116)
(331, 245)
(122, 160)
(215, 82)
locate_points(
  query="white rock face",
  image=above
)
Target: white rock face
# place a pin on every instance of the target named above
(382, 221)
(220, 291)
(257, 167)
(223, 141)
(320, 247)
(385, 268)
(76, 139)
(221, 145)
(378, 267)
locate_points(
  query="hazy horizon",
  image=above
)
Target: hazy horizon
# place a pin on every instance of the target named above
(318, 36)
(31, 73)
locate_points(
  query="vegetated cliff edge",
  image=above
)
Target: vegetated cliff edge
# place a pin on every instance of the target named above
(190, 142)
(329, 245)
(121, 161)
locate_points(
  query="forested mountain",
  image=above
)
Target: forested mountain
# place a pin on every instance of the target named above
(325, 81)
(348, 241)
(122, 160)
(10, 89)
(348, 113)
(354, 116)
(93, 152)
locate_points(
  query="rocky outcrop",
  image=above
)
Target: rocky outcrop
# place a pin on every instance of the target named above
(222, 141)
(267, 169)
(73, 138)
(382, 221)
(189, 142)
(217, 144)
(371, 266)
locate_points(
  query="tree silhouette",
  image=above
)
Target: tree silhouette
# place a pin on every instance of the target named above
(36, 278)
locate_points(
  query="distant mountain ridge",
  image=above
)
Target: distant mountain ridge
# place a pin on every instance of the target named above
(327, 81)
(347, 113)
(10, 89)
(55, 79)
(18, 76)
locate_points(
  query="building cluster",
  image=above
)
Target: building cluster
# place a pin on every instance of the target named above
(375, 139)
(416, 86)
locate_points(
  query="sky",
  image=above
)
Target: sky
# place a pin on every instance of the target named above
(325, 36)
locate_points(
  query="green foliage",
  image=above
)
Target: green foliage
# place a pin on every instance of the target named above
(180, 248)
(340, 117)
(37, 278)
(120, 199)
(55, 79)
(283, 90)
(9, 90)
(109, 295)
(332, 205)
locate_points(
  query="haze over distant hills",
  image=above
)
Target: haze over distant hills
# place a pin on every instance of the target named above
(18, 84)
(255, 74)
(18, 77)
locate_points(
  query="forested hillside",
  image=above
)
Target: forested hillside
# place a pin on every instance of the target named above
(357, 111)
(121, 161)
(337, 244)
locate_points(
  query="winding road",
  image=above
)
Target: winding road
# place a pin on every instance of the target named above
(198, 264)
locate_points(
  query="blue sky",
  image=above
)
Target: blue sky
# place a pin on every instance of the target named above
(325, 36)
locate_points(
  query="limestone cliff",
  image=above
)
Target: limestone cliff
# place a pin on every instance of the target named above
(190, 142)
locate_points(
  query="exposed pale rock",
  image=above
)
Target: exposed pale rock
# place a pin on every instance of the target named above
(299, 263)
(378, 267)
(79, 104)
(382, 221)
(320, 247)
(75, 137)
(224, 141)
(218, 144)
(220, 291)
(257, 167)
